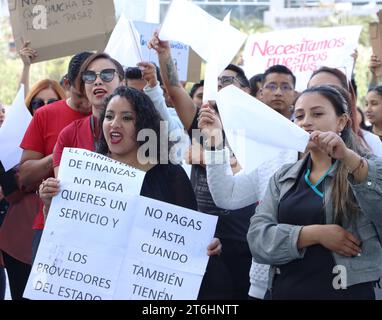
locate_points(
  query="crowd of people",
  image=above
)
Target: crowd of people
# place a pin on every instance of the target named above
(283, 229)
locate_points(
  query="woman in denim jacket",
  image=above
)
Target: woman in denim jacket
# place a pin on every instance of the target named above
(319, 224)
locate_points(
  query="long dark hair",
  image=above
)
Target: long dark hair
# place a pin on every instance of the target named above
(147, 117)
(344, 203)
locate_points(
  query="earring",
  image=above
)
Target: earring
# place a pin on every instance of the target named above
(340, 133)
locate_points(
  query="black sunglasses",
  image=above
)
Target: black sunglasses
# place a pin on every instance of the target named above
(38, 103)
(106, 75)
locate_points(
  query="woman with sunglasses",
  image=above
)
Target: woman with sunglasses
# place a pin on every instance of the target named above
(42, 93)
(103, 88)
(99, 76)
(319, 225)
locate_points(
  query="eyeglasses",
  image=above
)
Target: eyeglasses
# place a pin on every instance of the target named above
(106, 75)
(38, 103)
(227, 80)
(283, 87)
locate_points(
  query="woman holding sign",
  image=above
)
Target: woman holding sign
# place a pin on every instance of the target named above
(128, 111)
(318, 225)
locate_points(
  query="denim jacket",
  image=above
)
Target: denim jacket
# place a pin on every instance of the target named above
(276, 244)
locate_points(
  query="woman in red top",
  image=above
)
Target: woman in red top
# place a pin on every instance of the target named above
(19, 185)
(100, 76)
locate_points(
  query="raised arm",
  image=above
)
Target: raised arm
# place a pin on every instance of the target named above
(228, 191)
(155, 92)
(27, 55)
(374, 64)
(182, 101)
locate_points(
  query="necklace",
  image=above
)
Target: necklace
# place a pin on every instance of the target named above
(315, 186)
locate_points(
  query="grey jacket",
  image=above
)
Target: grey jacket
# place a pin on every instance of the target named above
(276, 244)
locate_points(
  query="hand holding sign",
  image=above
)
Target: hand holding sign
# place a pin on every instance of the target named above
(214, 248)
(149, 73)
(104, 241)
(374, 64)
(124, 43)
(47, 190)
(160, 46)
(27, 54)
(60, 28)
(211, 126)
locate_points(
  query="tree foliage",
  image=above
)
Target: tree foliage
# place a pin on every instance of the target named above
(11, 66)
(361, 71)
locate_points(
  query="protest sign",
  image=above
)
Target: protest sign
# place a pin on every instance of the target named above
(166, 255)
(12, 131)
(255, 131)
(302, 50)
(104, 241)
(58, 28)
(187, 62)
(213, 40)
(375, 32)
(124, 44)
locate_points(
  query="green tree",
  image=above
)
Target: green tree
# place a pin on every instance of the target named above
(361, 71)
(250, 26)
(11, 66)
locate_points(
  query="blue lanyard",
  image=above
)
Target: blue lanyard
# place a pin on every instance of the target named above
(314, 186)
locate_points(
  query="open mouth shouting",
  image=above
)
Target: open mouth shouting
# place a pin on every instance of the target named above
(100, 93)
(115, 137)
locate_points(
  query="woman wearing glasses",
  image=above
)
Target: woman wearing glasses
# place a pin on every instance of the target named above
(99, 76)
(38, 147)
(42, 93)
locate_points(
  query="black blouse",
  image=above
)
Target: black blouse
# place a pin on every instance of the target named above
(312, 276)
(169, 183)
